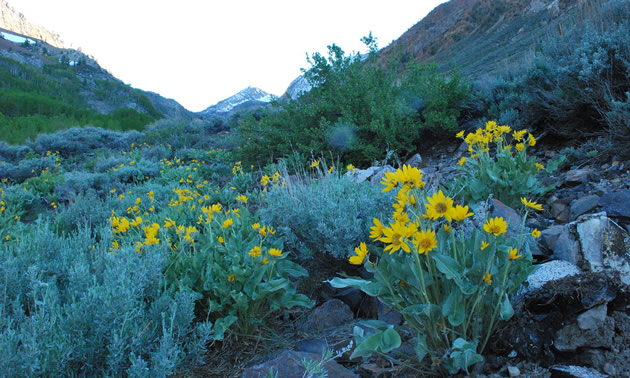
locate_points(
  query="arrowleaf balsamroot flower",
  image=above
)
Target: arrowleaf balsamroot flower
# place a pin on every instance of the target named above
(228, 222)
(495, 226)
(439, 206)
(377, 229)
(396, 236)
(361, 252)
(487, 278)
(484, 245)
(425, 241)
(536, 233)
(531, 204)
(275, 252)
(254, 252)
(513, 254)
(409, 177)
(459, 213)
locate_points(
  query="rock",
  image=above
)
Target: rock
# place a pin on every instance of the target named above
(330, 314)
(362, 175)
(415, 161)
(513, 371)
(549, 271)
(352, 297)
(380, 174)
(577, 176)
(564, 371)
(571, 337)
(593, 318)
(388, 315)
(315, 346)
(582, 205)
(616, 204)
(499, 209)
(604, 245)
(290, 364)
(566, 247)
(560, 211)
(549, 236)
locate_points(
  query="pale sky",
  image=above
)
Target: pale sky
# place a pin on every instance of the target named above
(199, 52)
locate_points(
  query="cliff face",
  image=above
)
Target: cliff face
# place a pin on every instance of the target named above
(481, 36)
(11, 19)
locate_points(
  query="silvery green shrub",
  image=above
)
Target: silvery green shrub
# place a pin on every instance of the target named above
(80, 140)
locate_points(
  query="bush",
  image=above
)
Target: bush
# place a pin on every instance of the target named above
(12, 154)
(72, 307)
(27, 168)
(329, 214)
(83, 210)
(77, 182)
(80, 140)
(358, 109)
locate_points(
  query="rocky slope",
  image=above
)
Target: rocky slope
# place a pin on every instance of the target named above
(486, 36)
(247, 99)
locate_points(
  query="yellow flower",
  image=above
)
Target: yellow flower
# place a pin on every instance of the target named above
(115, 245)
(447, 228)
(275, 252)
(484, 245)
(531, 140)
(461, 161)
(263, 231)
(242, 198)
(361, 252)
(112, 191)
(439, 206)
(513, 254)
(136, 222)
(350, 167)
(315, 163)
(265, 261)
(518, 135)
(216, 208)
(228, 222)
(495, 226)
(377, 229)
(540, 166)
(536, 233)
(520, 147)
(138, 201)
(189, 231)
(459, 213)
(231, 278)
(487, 278)
(425, 241)
(459, 134)
(271, 230)
(330, 169)
(531, 204)
(409, 177)
(254, 252)
(256, 226)
(168, 223)
(396, 236)
(220, 239)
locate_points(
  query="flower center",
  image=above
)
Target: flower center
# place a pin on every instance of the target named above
(440, 208)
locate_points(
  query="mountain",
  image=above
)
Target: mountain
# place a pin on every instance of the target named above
(247, 99)
(487, 36)
(298, 86)
(34, 61)
(10, 19)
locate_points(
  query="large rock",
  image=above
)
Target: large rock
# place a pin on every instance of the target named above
(330, 314)
(513, 219)
(291, 364)
(362, 175)
(549, 271)
(415, 161)
(380, 174)
(571, 371)
(616, 204)
(582, 205)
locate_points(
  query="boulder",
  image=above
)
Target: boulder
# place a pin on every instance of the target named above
(330, 314)
(290, 363)
(570, 371)
(578, 176)
(415, 161)
(362, 175)
(380, 174)
(616, 204)
(582, 205)
(513, 219)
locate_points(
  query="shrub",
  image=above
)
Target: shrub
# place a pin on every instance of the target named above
(71, 307)
(80, 140)
(450, 280)
(27, 168)
(328, 214)
(12, 154)
(79, 182)
(492, 166)
(83, 210)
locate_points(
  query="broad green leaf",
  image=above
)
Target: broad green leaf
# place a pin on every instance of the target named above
(453, 308)
(391, 340)
(448, 265)
(368, 346)
(421, 348)
(368, 287)
(506, 311)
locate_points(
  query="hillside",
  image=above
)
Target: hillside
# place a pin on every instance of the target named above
(483, 37)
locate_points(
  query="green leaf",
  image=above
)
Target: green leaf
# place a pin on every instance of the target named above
(421, 348)
(368, 287)
(453, 308)
(464, 354)
(368, 346)
(506, 311)
(391, 340)
(448, 265)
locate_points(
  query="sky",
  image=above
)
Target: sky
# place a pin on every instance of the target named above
(199, 52)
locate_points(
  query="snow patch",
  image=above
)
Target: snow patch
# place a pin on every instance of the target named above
(16, 38)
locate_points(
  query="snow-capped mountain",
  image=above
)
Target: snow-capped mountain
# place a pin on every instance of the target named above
(245, 99)
(297, 87)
